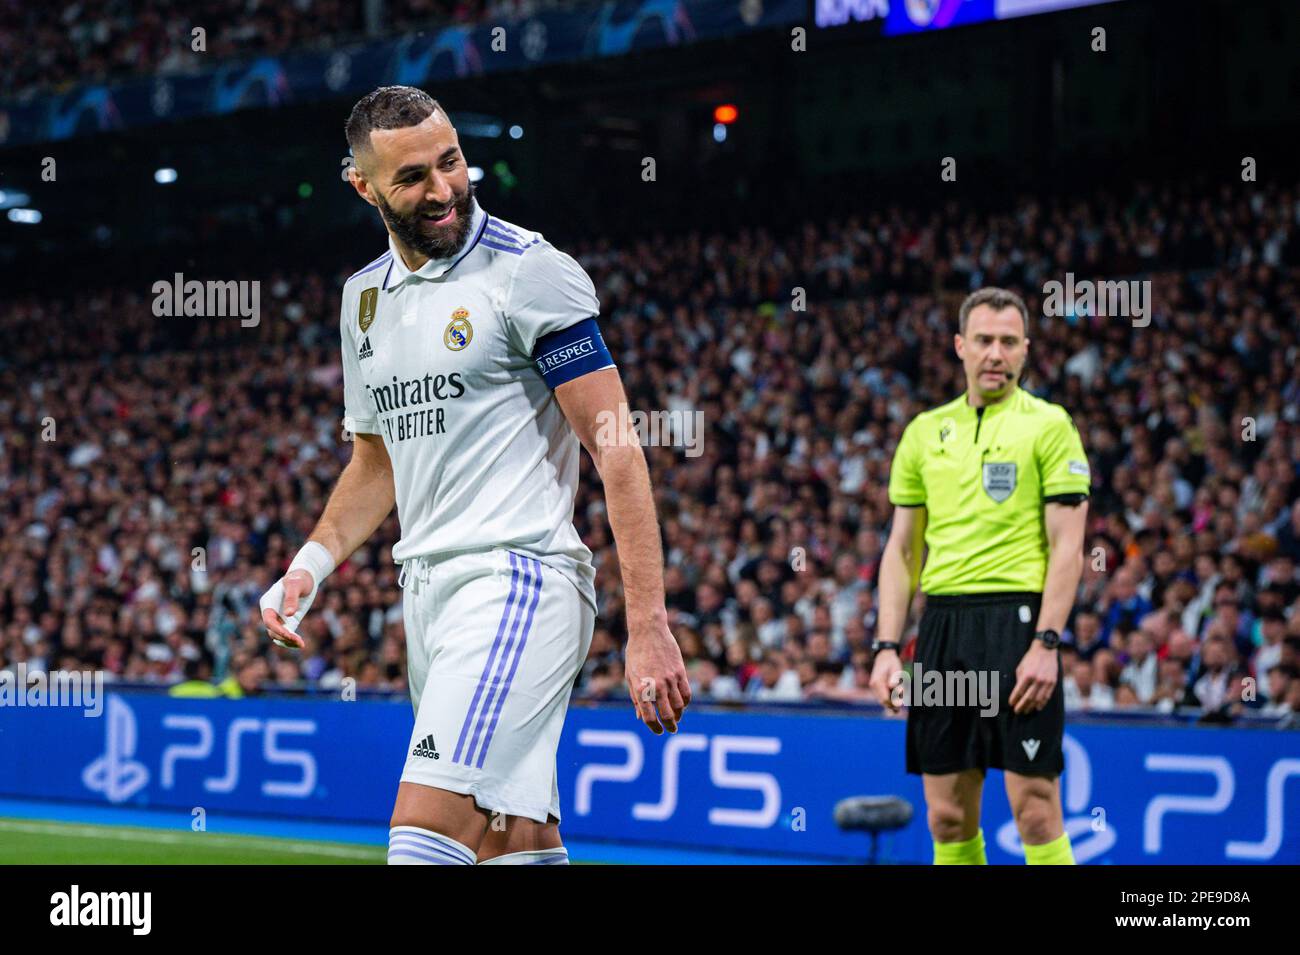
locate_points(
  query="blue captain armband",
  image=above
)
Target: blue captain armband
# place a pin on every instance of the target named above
(571, 353)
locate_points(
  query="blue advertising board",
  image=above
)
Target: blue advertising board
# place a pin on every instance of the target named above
(741, 781)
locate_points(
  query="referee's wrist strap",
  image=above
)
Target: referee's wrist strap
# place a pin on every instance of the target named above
(314, 558)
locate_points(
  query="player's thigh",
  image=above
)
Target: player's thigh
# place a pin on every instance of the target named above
(509, 637)
(508, 834)
(414, 626)
(953, 801)
(452, 814)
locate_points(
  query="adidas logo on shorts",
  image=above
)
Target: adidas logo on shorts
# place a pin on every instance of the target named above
(426, 748)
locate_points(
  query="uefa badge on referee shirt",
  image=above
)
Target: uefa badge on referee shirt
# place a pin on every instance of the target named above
(459, 331)
(366, 314)
(999, 479)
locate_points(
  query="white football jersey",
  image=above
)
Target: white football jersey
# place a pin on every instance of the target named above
(439, 362)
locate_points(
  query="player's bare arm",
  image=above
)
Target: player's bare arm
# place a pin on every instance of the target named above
(656, 675)
(361, 500)
(900, 570)
(1036, 674)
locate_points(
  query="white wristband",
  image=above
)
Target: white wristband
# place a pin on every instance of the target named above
(316, 559)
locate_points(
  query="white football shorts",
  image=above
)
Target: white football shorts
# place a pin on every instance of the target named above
(495, 640)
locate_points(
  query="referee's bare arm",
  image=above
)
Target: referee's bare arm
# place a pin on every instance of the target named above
(362, 498)
(1065, 525)
(1036, 675)
(900, 570)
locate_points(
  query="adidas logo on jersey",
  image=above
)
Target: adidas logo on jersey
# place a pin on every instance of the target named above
(365, 351)
(426, 748)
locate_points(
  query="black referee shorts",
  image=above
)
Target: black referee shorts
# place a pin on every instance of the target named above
(965, 640)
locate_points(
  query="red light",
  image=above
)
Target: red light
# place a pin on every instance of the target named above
(725, 114)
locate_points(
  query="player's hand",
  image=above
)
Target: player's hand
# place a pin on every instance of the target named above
(1035, 679)
(656, 675)
(284, 606)
(885, 673)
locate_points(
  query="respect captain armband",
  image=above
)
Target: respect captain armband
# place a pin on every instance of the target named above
(571, 353)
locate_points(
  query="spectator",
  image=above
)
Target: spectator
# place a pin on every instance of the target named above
(1083, 692)
(775, 681)
(1141, 673)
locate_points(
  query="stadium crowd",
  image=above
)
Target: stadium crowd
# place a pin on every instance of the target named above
(51, 47)
(158, 474)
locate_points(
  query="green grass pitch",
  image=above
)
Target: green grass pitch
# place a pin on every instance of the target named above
(29, 841)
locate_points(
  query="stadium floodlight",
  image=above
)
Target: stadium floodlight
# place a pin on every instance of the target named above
(25, 216)
(516, 132)
(475, 173)
(11, 198)
(164, 176)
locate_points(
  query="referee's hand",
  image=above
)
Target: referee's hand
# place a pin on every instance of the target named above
(885, 673)
(1035, 679)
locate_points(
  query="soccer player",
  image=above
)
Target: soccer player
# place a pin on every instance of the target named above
(472, 367)
(994, 486)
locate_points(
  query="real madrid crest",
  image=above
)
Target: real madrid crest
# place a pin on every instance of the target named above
(366, 314)
(459, 331)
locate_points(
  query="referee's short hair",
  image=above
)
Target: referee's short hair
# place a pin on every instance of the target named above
(389, 107)
(997, 299)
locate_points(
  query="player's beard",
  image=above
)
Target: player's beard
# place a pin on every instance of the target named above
(441, 244)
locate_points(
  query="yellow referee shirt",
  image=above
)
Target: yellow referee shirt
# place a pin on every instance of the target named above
(983, 475)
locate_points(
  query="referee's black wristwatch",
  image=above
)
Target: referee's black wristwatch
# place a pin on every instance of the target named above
(878, 645)
(1049, 638)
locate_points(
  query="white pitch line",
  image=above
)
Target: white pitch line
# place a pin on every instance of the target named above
(194, 839)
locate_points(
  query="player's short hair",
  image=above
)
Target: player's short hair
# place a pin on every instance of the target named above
(389, 107)
(997, 299)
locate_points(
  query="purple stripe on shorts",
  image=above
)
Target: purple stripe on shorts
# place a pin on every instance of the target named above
(514, 662)
(482, 680)
(495, 684)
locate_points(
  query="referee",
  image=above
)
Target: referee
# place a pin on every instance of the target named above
(994, 485)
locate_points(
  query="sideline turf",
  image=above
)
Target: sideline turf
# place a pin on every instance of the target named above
(39, 842)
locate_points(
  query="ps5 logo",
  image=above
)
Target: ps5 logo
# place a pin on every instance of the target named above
(119, 776)
(720, 774)
(116, 774)
(273, 753)
(1225, 787)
